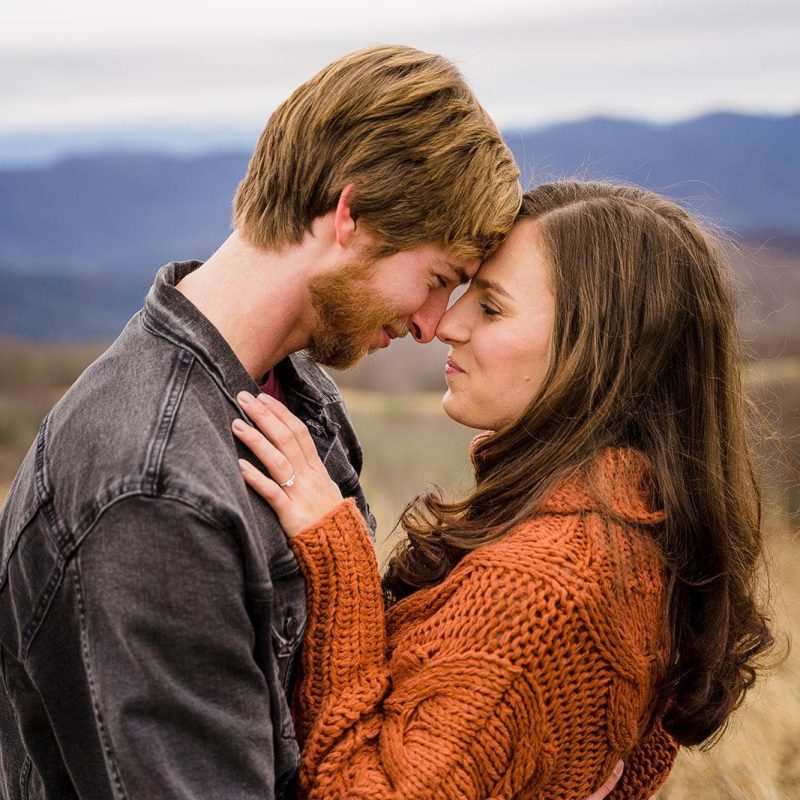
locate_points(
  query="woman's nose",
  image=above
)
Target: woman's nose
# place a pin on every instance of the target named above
(452, 326)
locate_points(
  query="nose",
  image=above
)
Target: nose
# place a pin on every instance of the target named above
(423, 322)
(452, 325)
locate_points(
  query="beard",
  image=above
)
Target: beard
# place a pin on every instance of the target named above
(350, 313)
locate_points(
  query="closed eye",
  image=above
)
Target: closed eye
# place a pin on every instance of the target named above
(489, 311)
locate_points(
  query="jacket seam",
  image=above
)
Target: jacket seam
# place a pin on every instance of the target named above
(105, 737)
(39, 615)
(187, 499)
(158, 446)
(13, 544)
(135, 487)
(60, 534)
(153, 328)
(43, 604)
(24, 774)
(26, 762)
(56, 526)
(198, 357)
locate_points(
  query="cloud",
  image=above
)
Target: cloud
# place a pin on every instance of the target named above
(656, 60)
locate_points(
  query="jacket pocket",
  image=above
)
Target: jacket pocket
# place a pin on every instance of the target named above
(287, 626)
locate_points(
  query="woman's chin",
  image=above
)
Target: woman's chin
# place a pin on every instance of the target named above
(450, 406)
(453, 406)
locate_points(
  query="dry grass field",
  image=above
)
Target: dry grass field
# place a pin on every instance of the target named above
(408, 443)
(32, 378)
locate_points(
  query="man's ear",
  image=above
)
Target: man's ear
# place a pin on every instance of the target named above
(344, 222)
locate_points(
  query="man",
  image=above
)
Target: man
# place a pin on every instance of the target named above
(150, 608)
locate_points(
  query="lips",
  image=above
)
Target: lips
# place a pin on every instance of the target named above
(452, 365)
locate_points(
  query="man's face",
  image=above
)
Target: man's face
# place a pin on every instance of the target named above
(365, 304)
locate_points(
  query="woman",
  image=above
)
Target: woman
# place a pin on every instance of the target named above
(592, 598)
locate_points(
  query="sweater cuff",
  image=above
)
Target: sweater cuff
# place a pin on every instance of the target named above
(343, 524)
(346, 634)
(345, 513)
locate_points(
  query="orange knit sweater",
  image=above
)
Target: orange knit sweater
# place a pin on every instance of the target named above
(527, 673)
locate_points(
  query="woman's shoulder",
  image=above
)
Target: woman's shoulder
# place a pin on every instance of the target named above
(595, 535)
(588, 559)
(617, 482)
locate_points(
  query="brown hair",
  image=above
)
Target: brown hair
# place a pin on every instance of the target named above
(427, 162)
(645, 354)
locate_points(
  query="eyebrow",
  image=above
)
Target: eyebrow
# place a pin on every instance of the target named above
(463, 277)
(482, 283)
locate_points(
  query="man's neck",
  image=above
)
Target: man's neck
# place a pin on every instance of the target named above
(258, 300)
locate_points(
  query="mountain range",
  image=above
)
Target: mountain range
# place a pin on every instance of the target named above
(81, 238)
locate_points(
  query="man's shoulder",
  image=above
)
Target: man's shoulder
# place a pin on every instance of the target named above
(115, 431)
(109, 412)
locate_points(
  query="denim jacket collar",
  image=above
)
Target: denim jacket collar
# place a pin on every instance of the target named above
(168, 313)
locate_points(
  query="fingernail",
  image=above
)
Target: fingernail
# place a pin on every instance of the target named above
(238, 425)
(243, 465)
(245, 398)
(265, 398)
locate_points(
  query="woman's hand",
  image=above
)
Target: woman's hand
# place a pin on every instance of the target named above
(300, 490)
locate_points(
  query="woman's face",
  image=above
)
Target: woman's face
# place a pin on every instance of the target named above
(499, 334)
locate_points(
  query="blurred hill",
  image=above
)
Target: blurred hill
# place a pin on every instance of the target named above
(81, 239)
(122, 214)
(741, 172)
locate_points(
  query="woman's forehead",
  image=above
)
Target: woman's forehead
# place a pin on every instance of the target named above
(521, 264)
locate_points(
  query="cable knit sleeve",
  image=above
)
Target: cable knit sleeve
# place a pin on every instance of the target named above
(646, 766)
(430, 722)
(343, 660)
(460, 710)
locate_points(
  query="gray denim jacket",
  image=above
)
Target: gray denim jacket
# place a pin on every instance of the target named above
(150, 607)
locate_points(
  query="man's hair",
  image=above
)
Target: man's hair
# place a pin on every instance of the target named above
(428, 164)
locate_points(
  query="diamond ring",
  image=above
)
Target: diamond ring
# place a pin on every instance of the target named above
(289, 482)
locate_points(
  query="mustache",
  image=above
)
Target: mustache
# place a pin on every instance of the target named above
(397, 331)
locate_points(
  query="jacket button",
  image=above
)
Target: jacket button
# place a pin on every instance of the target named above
(290, 627)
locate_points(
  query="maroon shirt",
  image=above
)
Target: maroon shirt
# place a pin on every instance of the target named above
(272, 387)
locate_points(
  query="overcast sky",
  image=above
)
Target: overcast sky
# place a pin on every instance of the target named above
(91, 64)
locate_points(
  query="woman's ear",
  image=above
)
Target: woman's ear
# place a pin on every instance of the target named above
(344, 221)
